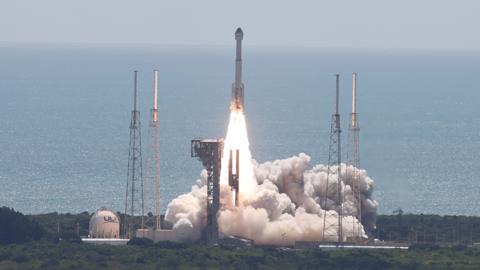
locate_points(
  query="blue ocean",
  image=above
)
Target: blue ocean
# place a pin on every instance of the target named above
(65, 115)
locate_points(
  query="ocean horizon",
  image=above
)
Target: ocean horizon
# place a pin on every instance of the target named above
(66, 109)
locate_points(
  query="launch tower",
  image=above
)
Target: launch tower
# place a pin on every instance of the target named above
(134, 201)
(209, 152)
(330, 221)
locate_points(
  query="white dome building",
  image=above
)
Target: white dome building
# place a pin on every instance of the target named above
(104, 224)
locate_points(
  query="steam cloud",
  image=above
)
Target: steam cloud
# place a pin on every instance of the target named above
(287, 205)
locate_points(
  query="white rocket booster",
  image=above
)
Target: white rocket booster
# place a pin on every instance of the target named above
(237, 87)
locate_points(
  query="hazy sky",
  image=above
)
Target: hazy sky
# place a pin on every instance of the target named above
(438, 24)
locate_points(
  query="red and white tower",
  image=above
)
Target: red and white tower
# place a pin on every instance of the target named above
(153, 154)
(354, 156)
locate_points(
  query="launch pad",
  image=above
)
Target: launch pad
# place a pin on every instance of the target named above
(221, 159)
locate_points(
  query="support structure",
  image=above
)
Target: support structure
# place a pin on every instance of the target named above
(153, 156)
(209, 152)
(333, 198)
(134, 200)
(354, 160)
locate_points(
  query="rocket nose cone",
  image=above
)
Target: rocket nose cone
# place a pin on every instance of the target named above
(239, 33)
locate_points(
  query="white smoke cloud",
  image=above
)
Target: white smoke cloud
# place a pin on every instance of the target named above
(288, 204)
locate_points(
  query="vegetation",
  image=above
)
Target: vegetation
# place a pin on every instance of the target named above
(140, 242)
(66, 255)
(443, 230)
(50, 241)
(17, 228)
(66, 227)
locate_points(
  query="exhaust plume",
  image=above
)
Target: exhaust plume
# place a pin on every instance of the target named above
(280, 201)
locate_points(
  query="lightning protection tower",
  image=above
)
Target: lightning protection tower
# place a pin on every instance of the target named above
(354, 160)
(153, 155)
(333, 198)
(134, 201)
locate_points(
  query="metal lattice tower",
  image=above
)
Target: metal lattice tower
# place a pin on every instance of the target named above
(354, 160)
(152, 173)
(333, 192)
(134, 201)
(209, 152)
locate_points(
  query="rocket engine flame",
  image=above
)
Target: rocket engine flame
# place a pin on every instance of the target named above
(237, 139)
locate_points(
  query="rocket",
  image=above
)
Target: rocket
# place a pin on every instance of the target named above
(234, 176)
(237, 87)
(236, 106)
